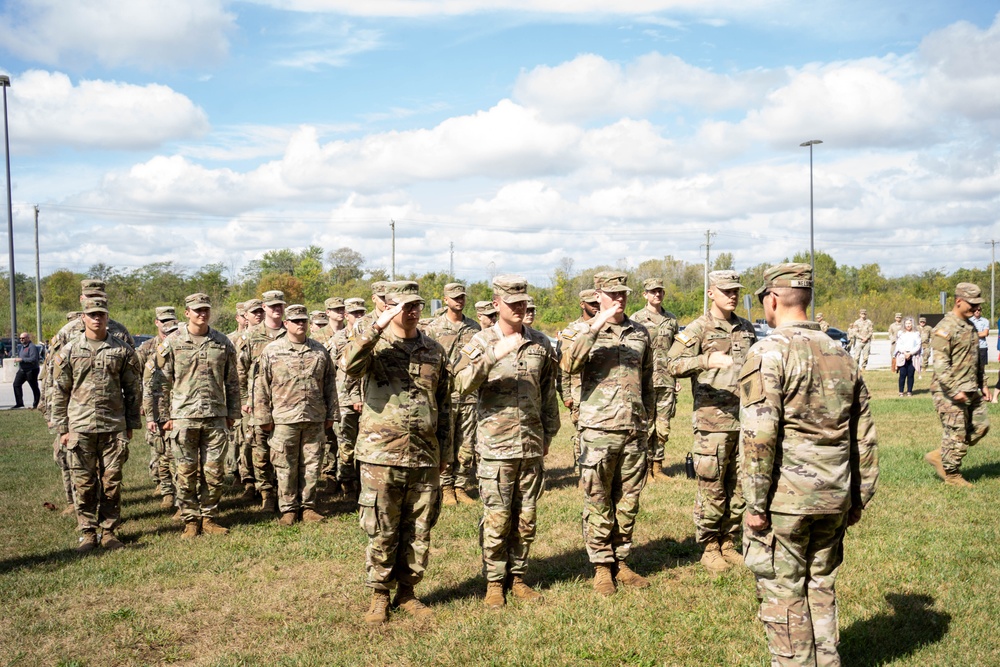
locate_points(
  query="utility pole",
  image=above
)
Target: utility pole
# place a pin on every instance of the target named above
(5, 83)
(451, 263)
(993, 276)
(38, 286)
(392, 225)
(708, 247)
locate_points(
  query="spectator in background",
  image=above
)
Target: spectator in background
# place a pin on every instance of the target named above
(908, 361)
(27, 371)
(983, 329)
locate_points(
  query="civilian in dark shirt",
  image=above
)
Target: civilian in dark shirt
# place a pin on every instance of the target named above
(27, 371)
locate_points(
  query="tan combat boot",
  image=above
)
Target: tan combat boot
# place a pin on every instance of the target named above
(167, 502)
(178, 516)
(310, 515)
(378, 610)
(523, 591)
(287, 519)
(191, 530)
(729, 552)
(88, 542)
(627, 577)
(604, 582)
(269, 502)
(448, 496)
(462, 496)
(656, 471)
(69, 511)
(494, 595)
(956, 479)
(110, 542)
(934, 458)
(249, 493)
(411, 604)
(712, 559)
(208, 525)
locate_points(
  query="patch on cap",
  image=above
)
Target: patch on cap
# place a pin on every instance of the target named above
(726, 279)
(296, 311)
(197, 300)
(403, 291)
(95, 304)
(511, 288)
(333, 302)
(166, 313)
(485, 308)
(273, 297)
(589, 296)
(611, 281)
(969, 292)
(453, 290)
(650, 284)
(354, 304)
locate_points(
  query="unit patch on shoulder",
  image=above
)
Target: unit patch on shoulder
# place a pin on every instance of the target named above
(472, 351)
(684, 338)
(163, 348)
(944, 333)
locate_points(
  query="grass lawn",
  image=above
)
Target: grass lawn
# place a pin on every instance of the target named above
(920, 584)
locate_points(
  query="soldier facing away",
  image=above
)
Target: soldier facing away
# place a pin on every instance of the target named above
(810, 465)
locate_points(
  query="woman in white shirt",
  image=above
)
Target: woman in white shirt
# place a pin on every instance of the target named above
(907, 356)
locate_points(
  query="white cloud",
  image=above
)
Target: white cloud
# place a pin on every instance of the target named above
(47, 110)
(147, 34)
(963, 70)
(332, 46)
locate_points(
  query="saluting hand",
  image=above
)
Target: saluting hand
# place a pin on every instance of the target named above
(383, 320)
(605, 316)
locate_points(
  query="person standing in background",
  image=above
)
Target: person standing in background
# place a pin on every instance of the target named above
(27, 371)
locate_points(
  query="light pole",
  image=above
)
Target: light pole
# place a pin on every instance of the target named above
(812, 251)
(5, 84)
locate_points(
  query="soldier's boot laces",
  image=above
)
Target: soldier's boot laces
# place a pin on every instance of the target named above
(523, 591)
(208, 525)
(934, 458)
(88, 542)
(494, 595)
(378, 609)
(269, 503)
(712, 559)
(448, 496)
(310, 515)
(956, 479)
(628, 577)
(604, 582)
(287, 519)
(462, 496)
(167, 502)
(70, 510)
(411, 604)
(110, 542)
(729, 552)
(191, 530)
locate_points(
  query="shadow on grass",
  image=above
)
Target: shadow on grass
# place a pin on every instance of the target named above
(984, 470)
(560, 478)
(912, 624)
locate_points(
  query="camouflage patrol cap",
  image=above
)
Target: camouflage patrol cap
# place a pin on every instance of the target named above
(969, 292)
(252, 305)
(454, 289)
(95, 304)
(863, 311)
(296, 312)
(511, 288)
(485, 308)
(273, 297)
(923, 319)
(650, 284)
(354, 304)
(319, 317)
(333, 302)
(898, 315)
(170, 328)
(379, 287)
(90, 285)
(611, 281)
(93, 292)
(240, 310)
(197, 300)
(531, 303)
(789, 274)
(166, 313)
(724, 279)
(72, 315)
(819, 316)
(588, 296)
(404, 291)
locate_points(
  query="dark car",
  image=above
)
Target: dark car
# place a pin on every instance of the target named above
(838, 335)
(763, 331)
(140, 339)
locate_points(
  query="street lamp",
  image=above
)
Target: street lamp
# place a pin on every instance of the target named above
(5, 84)
(812, 252)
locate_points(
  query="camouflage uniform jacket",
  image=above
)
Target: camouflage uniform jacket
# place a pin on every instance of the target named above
(956, 357)
(96, 391)
(863, 330)
(453, 337)
(824, 326)
(807, 437)
(200, 378)
(234, 337)
(325, 334)
(662, 328)
(252, 343)
(295, 385)
(348, 388)
(715, 390)
(894, 330)
(405, 421)
(615, 366)
(517, 411)
(925, 334)
(146, 349)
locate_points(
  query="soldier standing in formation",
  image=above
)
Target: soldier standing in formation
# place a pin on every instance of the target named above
(711, 350)
(894, 330)
(662, 327)
(317, 320)
(96, 397)
(614, 358)
(486, 313)
(529, 312)
(349, 399)
(925, 343)
(253, 315)
(335, 314)
(863, 330)
(958, 386)
(196, 367)
(402, 446)
(569, 385)
(511, 371)
(162, 463)
(295, 402)
(824, 326)
(810, 465)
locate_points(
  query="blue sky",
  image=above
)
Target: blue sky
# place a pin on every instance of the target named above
(201, 130)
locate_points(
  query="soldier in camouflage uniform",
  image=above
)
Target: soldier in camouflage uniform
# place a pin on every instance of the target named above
(295, 401)
(486, 313)
(662, 327)
(894, 330)
(402, 446)
(317, 320)
(569, 385)
(96, 397)
(453, 330)
(349, 398)
(253, 315)
(248, 353)
(241, 323)
(863, 329)
(160, 449)
(810, 465)
(711, 351)
(335, 313)
(511, 371)
(196, 366)
(925, 343)
(529, 313)
(92, 288)
(236, 433)
(58, 451)
(824, 326)
(614, 359)
(958, 386)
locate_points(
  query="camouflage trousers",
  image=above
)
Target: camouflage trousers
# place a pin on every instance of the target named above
(263, 469)
(659, 428)
(163, 473)
(510, 490)
(963, 425)
(796, 563)
(925, 355)
(331, 445)
(95, 462)
(233, 451)
(60, 457)
(612, 475)
(297, 456)
(462, 470)
(398, 509)
(574, 416)
(244, 451)
(347, 437)
(860, 352)
(199, 454)
(719, 504)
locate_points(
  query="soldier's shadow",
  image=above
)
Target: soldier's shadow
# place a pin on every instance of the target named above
(974, 473)
(884, 638)
(560, 478)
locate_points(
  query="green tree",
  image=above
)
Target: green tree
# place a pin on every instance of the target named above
(346, 265)
(279, 261)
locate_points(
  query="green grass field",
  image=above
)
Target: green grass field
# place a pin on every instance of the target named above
(920, 584)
